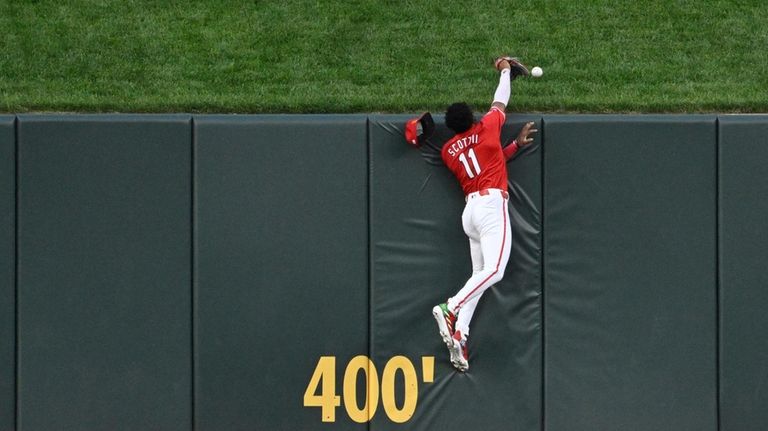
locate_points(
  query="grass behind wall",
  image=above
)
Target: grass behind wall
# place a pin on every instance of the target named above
(381, 56)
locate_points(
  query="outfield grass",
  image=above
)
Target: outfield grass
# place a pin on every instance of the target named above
(381, 56)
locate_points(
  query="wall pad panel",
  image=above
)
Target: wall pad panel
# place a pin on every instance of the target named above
(104, 272)
(282, 240)
(420, 256)
(630, 273)
(743, 280)
(7, 273)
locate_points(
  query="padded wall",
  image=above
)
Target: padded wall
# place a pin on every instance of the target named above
(104, 272)
(630, 268)
(141, 306)
(743, 279)
(420, 256)
(7, 273)
(282, 265)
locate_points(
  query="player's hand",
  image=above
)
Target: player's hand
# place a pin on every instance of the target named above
(524, 137)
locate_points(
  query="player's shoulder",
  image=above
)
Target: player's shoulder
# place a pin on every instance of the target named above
(493, 119)
(495, 112)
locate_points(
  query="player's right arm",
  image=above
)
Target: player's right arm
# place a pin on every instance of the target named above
(523, 138)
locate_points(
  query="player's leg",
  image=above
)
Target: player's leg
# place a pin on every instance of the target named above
(465, 317)
(458, 347)
(495, 240)
(446, 318)
(447, 321)
(468, 310)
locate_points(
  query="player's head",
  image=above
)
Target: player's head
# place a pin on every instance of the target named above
(459, 117)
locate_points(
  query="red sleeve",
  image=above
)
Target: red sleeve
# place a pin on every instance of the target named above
(494, 119)
(510, 150)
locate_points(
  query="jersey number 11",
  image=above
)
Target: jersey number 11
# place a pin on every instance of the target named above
(463, 160)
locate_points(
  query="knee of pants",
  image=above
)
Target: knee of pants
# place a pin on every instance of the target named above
(494, 275)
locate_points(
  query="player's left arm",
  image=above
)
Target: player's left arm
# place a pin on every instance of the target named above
(504, 89)
(523, 138)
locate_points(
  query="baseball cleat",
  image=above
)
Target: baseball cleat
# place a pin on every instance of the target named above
(516, 68)
(459, 353)
(446, 322)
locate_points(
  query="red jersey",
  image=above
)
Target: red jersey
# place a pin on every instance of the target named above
(475, 157)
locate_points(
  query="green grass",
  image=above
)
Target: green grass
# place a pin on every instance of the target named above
(381, 56)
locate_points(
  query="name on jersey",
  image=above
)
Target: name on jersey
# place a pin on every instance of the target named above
(462, 143)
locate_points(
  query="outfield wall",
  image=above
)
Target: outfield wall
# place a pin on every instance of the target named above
(208, 272)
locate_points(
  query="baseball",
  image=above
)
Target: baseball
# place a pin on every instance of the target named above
(537, 72)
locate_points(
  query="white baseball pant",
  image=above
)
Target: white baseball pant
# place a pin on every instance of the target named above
(486, 222)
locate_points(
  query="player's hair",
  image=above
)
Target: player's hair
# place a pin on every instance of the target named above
(459, 117)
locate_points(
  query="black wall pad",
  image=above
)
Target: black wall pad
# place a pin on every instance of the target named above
(630, 272)
(282, 252)
(743, 279)
(420, 256)
(104, 272)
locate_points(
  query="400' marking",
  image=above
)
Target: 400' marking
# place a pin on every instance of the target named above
(328, 401)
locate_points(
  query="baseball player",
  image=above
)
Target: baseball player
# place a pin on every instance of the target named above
(477, 159)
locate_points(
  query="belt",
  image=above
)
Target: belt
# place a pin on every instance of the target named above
(486, 192)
